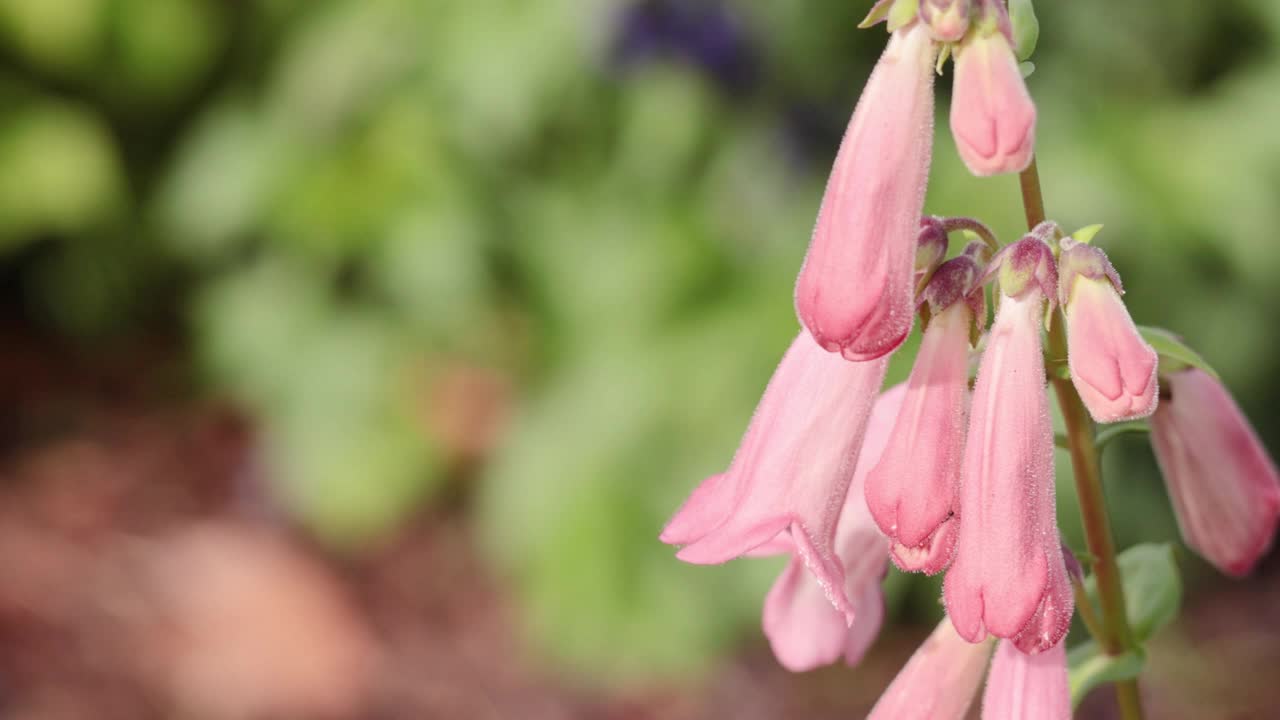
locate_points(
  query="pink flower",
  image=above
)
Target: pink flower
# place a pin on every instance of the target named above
(938, 682)
(1022, 687)
(1112, 367)
(791, 472)
(854, 293)
(803, 628)
(1008, 573)
(913, 491)
(992, 117)
(1224, 485)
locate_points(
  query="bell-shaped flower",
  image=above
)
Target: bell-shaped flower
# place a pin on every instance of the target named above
(803, 628)
(993, 119)
(1224, 485)
(855, 292)
(1026, 687)
(792, 470)
(1005, 576)
(1112, 367)
(939, 682)
(913, 491)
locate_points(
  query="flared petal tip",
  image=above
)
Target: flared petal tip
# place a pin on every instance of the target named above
(1263, 540)
(933, 555)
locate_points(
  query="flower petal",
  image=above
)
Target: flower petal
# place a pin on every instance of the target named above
(1224, 485)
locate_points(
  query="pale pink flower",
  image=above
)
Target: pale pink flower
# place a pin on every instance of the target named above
(1027, 687)
(913, 491)
(939, 682)
(993, 119)
(855, 292)
(1008, 573)
(1112, 367)
(1224, 485)
(803, 628)
(792, 470)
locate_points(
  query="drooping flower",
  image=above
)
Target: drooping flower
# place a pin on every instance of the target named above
(1112, 367)
(913, 491)
(1026, 687)
(1224, 485)
(1008, 572)
(803, 628)
(854, 292)
(939, 682)
(993, 119)
(792, 470)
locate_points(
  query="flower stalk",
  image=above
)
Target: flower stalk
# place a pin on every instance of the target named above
(1115, 636)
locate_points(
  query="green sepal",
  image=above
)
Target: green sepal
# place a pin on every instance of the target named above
(1174, 354)
(1026, 28)
(878, 13)
(902, 13)
(1087, 233)
(1088, 667)
(943, 55)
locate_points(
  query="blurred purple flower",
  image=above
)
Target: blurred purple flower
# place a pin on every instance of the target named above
(703, 33)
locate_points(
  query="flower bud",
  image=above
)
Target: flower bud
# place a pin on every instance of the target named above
(855, 292)
(948, 20)
(1223, 484)
(931, 245)
(1112, 367)
(993, 119)
(1027, 264)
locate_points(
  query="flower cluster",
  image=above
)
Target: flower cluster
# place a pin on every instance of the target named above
(946, 473)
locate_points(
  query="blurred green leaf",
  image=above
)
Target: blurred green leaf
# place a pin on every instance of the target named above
(59, 170)
(1089, 667)
(1174, 354)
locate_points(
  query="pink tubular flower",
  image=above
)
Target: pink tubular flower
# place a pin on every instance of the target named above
(803, 628)
(992, 117)
(791, 472)
(1022, 686)
(1008, 573)
(1112, 367)
(854, 293)
(938, 682)
(912, 492)
(1224, 485)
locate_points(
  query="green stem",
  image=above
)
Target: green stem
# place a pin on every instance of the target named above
(1114, 637)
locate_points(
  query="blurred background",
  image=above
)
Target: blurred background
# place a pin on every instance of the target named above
(353, 353)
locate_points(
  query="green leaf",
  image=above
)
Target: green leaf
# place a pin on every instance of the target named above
(1153, 588)
(1175, 355)
(1089, 667)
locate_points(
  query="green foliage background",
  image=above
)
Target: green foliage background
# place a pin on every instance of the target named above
(332, 198)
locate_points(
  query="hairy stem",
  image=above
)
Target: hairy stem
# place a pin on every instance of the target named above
(1114, 635)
